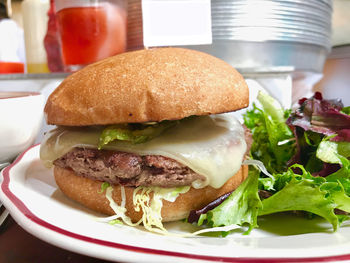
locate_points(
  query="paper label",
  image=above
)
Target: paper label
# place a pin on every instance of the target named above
(176, 22)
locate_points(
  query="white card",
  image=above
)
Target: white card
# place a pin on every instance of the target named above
(176, 22)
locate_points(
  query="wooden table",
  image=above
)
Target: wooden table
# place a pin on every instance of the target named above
(17, 245)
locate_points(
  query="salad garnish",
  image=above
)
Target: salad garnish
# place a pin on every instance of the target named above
(306, 154)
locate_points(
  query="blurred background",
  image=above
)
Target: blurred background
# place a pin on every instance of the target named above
(289, 48)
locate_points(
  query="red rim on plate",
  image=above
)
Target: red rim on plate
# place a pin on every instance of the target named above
(31, 216)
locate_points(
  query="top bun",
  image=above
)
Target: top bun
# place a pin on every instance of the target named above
(147, 85)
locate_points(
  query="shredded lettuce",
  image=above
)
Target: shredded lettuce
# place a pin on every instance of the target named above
(149, 201)
(104, 186)
(115, 221)
(145, 199)
(119, 210)
(151, 206)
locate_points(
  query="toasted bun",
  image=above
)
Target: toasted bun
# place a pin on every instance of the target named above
(147, 85)
(86, 192)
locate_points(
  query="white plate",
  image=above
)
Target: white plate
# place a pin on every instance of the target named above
(29, 192)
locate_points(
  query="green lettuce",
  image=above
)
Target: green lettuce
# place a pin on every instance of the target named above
(273, 141)
(291, 192)
(342, 176)
(104, 187)
(346, 110)
(304, 192)
(133, 133)
(240, 208)
(329, 151)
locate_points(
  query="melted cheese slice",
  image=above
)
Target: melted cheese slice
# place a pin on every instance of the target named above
(213, 146)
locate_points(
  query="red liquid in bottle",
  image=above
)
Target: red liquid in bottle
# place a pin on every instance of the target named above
(91, 33)
(11, 67)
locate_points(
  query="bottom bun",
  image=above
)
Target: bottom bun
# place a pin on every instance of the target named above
(86, 192)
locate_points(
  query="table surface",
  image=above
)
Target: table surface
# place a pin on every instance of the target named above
(17, 245)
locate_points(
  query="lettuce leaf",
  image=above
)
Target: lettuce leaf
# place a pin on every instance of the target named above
(342, 175)
(304, 193)
(329, 151)
(133, 133)
(240, 208)
(291, 192)
(273, 141)
(345, 110)
(322, 116)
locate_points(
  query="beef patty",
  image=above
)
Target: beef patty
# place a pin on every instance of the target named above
(127, 169)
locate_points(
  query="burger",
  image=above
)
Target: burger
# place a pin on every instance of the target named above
(145, 136)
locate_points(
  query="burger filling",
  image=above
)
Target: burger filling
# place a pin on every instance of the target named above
(197, 151)
(128, 169)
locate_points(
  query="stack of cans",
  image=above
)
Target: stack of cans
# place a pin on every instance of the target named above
(261, 35)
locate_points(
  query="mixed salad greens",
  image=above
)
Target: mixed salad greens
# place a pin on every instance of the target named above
(306, 154)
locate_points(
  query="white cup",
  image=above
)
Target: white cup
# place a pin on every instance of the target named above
(21, 116)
